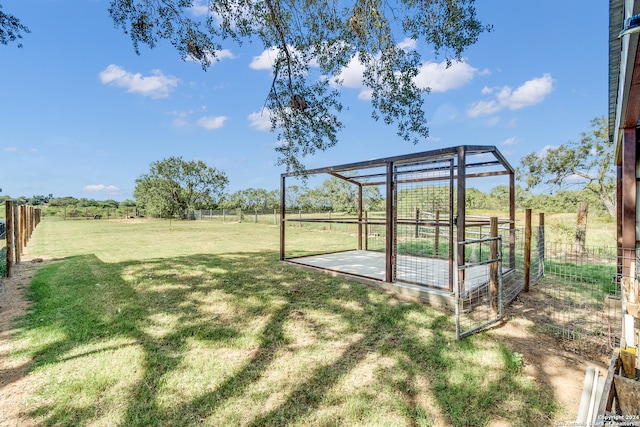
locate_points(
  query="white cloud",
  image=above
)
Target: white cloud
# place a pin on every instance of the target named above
(260, 120)
(510, 141)
(264, 61)
(21, 151)
(213, 57)
(180, 118)
(212, 122)
(407, 44)
(543, 152)
(199, 7)
(351, 77)
(224, 54)
(156, 86)
(435, 76)
(530, 93)
(101, 188)
(439, 78)
(493, 121)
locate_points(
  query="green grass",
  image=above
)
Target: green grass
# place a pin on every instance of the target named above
(199, 323)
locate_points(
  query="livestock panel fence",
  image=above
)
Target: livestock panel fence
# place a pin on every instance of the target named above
(579, 296)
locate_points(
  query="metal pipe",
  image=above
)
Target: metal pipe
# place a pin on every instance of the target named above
(592, 400)
(585, 400)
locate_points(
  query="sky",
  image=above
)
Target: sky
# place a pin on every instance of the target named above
(82, 115)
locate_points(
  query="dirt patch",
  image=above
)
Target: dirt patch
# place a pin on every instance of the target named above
(15, 386)
(556, 363)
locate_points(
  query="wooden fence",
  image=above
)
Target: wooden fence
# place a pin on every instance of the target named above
(20, 223)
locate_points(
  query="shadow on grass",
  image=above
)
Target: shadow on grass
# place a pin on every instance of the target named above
(242, 339)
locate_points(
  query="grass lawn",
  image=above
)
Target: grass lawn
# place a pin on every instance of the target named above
(192, 323)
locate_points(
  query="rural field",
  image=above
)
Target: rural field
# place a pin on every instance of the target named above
(151, 322)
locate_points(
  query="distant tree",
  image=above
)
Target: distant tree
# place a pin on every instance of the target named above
(499, 197)
(272, 199)
(175, 186)
(252, 199)
(312, 42)
(476, 199)
(127, 204)
(294, 196)
(108, 204)
(320, 199)
(86, 203)
(586, 164)
(340, 195)
(63, 201)
(10, 28)
(38, 200)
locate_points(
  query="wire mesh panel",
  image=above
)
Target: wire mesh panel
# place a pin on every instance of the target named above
(581, 292)
(423, 203)
(375, 231)
(479, 291)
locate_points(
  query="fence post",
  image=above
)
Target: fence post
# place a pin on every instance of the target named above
(23, 227)
(527, 250)
(436, 248)
(540, 245)
(16, 227)
(416, 214)
(366, 230)
(581, 227)
(493, 267)
(9, 230)
(275, 217)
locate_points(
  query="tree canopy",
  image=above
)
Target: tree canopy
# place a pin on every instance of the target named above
(11, 29)
(252, 198)
(313, 41)
(333, 194)
(175, 186)
(587, 164)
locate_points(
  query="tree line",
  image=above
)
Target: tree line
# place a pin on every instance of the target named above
(323, 198)
(573, 172)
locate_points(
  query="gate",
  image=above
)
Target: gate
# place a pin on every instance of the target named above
(423, 202)
(478, 288)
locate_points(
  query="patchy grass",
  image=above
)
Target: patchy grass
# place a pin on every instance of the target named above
(198, 323)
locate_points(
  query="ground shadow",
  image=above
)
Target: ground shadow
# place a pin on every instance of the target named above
(127, 301)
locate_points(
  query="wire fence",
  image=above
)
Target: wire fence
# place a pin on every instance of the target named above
(579, 296)
(91, 212)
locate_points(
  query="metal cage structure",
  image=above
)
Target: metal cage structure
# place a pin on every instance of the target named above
(423, 240)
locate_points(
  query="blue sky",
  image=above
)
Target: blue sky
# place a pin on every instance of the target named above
(82, 115)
